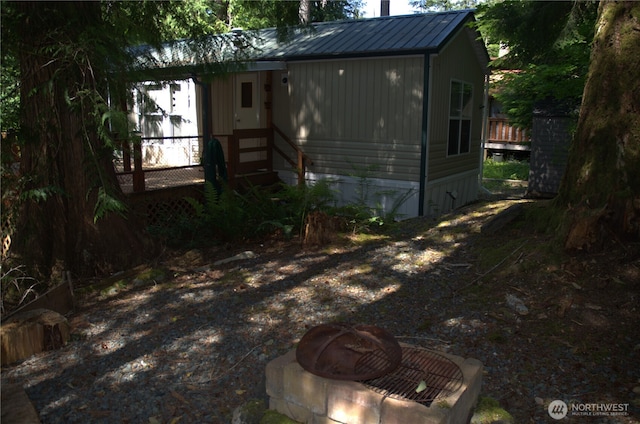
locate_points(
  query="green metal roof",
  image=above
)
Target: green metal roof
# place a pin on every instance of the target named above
(384, 36)
(390, 35)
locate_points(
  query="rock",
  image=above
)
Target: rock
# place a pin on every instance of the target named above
(517, 305)
(240, 256)
(249, 413)
(31, 332)
(149, 276)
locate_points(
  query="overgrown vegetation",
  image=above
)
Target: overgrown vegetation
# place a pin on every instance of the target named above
(232, 216)
(17, 288)
(507, 170)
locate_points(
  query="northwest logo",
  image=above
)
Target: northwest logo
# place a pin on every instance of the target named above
(557, 409)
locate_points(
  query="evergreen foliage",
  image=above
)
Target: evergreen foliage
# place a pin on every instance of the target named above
(548, 46)
(251, 14)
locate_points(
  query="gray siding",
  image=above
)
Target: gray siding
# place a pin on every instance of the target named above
(458, 61)
(355, 114)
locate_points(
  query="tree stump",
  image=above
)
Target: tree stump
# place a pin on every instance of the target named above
(318, 229)
(32, 332)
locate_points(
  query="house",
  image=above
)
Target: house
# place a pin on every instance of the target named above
(391, 109)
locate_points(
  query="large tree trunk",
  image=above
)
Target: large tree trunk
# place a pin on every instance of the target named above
(601, 186)
(62, 155)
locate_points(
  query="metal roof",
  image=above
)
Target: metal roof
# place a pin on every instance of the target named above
(384, 36)
(389, 35)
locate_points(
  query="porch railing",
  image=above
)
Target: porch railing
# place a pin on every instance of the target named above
(499, 131)
(159, 162)
(247, 152)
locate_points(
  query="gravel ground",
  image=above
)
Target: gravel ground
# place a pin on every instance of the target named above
(190, 344)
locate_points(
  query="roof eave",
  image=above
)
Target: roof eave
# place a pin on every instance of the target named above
(359, 55)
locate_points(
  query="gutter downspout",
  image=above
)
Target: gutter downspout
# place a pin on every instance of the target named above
(424, 139)
(483, 140)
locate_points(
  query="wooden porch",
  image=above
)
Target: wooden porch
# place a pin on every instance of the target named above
(502, 136)
(248, 157)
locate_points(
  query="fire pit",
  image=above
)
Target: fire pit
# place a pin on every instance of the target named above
(405, 385)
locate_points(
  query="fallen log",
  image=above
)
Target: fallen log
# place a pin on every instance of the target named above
(501, 219)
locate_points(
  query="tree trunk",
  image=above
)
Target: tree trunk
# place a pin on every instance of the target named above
(601, 185)
(63, 155)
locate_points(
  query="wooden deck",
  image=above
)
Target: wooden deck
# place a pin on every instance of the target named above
(502, 136)
(156, 179)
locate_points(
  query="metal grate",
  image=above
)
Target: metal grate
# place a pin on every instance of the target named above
(422, 376)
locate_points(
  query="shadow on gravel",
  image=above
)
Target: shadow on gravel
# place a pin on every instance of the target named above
(192, 346)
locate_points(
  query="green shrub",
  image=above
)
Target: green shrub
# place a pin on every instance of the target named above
(231, 216)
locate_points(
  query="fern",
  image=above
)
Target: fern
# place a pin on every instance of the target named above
(106, 204)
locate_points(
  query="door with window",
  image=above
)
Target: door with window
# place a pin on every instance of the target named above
(247, 116)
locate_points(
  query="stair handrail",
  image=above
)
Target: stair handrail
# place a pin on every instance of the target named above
(302, 157)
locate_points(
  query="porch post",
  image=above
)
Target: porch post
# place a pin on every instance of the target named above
(301, 168)
(138, 173)
(126, 155)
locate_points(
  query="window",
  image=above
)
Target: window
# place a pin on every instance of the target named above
(460, 118)
(246, 95)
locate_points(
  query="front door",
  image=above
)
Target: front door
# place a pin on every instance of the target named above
(246, 101)
(247, 116)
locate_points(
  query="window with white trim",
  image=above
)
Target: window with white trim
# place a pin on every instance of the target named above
(460, 106)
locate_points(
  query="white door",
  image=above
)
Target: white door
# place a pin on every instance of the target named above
(247, 116)
(246, 101)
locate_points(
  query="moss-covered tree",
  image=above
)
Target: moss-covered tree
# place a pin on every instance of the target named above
(601, 186)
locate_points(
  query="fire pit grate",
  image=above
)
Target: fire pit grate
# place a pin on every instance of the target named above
(422, 376)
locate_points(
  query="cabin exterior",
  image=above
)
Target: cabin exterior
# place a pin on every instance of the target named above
(390, 109)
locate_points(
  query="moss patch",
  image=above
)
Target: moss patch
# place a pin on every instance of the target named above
(489, 411)
(273, 417)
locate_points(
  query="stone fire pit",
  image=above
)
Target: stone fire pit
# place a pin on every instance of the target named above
(309, 398)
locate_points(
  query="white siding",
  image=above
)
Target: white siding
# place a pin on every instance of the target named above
(439, 194)
(385, 196)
